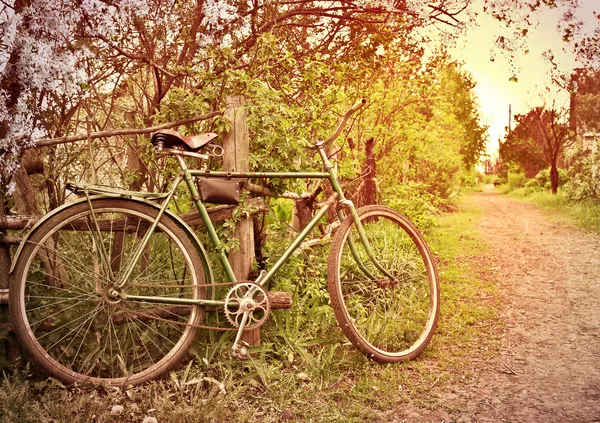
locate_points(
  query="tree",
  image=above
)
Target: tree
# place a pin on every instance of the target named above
(521, 151)
(191, 45)
(585, 101)
(41, 61)
(541, 133)
(457, 87)
(299, 64)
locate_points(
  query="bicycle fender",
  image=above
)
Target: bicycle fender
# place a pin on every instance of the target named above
(37, 224)
(180, 222)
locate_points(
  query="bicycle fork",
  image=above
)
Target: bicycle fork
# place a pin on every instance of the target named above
(333, 180)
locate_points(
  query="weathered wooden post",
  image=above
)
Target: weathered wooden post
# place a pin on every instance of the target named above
(10, 346)
(235, 159)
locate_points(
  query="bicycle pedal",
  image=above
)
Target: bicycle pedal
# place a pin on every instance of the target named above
(239, 351)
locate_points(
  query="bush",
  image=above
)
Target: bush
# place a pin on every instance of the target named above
(516, 180)
(584, 173)
(532, 186)
(413, 200)
(470, 179)
(489, 179)
(543, 178)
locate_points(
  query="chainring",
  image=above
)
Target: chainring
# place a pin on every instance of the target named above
(247, 297)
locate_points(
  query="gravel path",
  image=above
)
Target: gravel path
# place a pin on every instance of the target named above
(548, 369)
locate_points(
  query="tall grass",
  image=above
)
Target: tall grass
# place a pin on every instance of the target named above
(585, 213)
(305, 370)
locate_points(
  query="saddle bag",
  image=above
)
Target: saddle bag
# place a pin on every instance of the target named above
(219, 191)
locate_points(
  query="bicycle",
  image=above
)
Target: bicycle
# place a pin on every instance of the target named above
(113, 288)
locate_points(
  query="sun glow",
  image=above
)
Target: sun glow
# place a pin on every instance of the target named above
(532, 83)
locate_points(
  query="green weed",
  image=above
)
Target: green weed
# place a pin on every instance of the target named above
(305, 370)
(584, 213)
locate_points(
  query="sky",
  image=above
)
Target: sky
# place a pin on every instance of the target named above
(494, 89)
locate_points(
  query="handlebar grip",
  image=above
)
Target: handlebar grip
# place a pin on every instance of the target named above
(358, 105)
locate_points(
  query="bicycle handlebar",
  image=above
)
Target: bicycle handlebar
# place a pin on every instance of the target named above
(340, 126)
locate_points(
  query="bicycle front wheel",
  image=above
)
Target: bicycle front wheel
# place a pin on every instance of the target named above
(70, 311)
(387, 304)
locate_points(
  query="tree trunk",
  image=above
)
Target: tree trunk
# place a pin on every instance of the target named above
(554, 178)
(302, 213)
(368, 192)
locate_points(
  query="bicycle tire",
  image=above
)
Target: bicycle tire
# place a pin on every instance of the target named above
(62, 312)
(387, 320)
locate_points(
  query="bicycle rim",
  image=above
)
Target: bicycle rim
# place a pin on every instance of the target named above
(388, 319)
(61, 305)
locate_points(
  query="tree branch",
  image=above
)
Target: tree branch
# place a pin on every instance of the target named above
(120, 132)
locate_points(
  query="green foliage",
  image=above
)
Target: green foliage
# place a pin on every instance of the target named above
(422, 126)
(459, 87)
(489, 179)
(18, 403)
(304, 370)
(516, 180)
(416, 202)
(472, 178)
(584, 174)
(543, 178)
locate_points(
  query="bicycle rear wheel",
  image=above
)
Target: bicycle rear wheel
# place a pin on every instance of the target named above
(63, 299)
(389, 318)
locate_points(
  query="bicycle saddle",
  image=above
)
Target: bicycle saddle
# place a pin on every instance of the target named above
(171, 139)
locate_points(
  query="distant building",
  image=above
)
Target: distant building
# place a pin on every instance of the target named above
(590, 141)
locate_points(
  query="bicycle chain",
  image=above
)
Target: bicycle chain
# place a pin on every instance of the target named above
(154, 317)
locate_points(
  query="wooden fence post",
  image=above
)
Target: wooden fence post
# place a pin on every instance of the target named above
(236, 159)
(11, 347)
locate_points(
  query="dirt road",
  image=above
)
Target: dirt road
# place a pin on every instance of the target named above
(548, 369)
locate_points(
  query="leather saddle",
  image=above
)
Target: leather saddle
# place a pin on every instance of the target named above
(171, 139)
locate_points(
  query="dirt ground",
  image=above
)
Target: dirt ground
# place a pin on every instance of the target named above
(548, 369)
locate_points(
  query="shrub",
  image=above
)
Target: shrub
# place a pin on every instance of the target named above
(414, 200)
(489, 179)
(470, 179)
(532, 184)
(516, 180)
(543, 178)
(584, 173)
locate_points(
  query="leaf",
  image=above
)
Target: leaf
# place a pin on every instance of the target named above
(303, 377)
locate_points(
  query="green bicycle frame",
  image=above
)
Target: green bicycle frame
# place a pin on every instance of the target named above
(189, 176)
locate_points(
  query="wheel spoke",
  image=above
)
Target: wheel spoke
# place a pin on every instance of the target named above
(70, 323)
(389, 319)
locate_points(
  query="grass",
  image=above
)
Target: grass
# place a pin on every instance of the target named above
(305, 370)
(585, 214)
